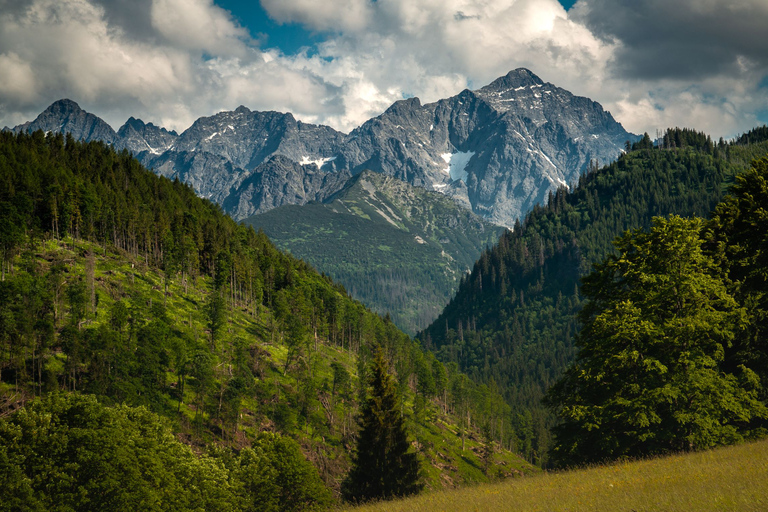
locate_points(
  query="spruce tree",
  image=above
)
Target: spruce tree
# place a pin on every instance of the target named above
(383, 466)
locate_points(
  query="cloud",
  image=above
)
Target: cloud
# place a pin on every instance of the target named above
(337, 15)
(696, 63)
(198, 25)
(685, 39)
(653, 64)
(17, 82)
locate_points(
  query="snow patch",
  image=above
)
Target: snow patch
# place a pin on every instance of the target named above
(320, 162)
(595, 136)
(457, 164)
(212, 136)
(431, 127)
(151, 149)
(520, 88)
(547, 159)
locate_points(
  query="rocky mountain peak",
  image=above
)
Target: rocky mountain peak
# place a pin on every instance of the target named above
(138, 136)
(66, 116)
(516, 78)
(63, 107)
(402, 106)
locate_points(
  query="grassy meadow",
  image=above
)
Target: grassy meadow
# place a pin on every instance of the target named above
(734, 479)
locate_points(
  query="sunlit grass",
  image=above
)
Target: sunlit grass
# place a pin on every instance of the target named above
(728, 479)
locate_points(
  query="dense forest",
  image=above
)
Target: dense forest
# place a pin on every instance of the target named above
(672, 353)
(513, 320)
(124, 286)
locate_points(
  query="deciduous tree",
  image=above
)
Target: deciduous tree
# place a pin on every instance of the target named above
(647, 379)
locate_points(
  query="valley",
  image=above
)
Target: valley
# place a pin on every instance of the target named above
(399, 249)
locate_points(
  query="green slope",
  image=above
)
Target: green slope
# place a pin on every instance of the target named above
(397, 248)
(733, 478)
(126, 286)
(512, 320)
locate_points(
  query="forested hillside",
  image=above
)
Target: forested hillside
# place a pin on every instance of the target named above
(512, 322)
(126, 287)
(399, 249)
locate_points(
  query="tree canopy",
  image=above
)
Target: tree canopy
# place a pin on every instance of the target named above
(648, 376)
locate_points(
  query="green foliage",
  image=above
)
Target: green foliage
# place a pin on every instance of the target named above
(738, 236)
(383, 465)
(216, 313)
(647, 379)
(68, 452)
(753, 136)
(277, 477)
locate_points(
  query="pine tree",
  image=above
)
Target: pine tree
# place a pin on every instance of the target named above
(383, 467)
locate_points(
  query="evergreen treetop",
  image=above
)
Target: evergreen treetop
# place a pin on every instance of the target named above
(383, 466)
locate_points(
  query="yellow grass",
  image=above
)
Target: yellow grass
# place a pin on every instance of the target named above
(727, 479)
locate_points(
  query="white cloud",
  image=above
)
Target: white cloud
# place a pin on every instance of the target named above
(192, 59)
(17, 81)
(336, 15)
(199, 25)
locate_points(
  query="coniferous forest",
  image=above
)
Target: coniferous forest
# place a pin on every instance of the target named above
(513, 322)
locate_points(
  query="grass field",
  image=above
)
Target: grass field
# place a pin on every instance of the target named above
(727, 479)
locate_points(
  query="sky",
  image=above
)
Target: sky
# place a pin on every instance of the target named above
(653, 64)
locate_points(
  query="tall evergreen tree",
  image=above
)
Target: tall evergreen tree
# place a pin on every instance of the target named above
(383, 466)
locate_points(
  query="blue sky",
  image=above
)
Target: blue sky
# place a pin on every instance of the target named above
(289, 37)
(653, 64)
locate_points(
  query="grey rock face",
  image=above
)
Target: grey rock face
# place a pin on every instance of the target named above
(137, 137)
(497, 151)
(248, 138)
(280, 181)
(500, 149)
(66, 116)
(210, 175)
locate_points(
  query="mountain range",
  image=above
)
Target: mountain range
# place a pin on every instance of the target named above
(497, 151)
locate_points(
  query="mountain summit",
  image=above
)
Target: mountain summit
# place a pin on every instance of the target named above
(519, 77)
(66, 116)
(497, 151)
